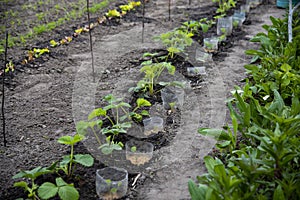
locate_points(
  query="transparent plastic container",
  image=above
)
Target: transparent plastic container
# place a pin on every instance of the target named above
(172, 97)
(245, 8)
(139, 152)
(203, 56)
(238, 18)
(211, 44)
(196, 71)
(111, 183)
(224, 26)
(153, 125)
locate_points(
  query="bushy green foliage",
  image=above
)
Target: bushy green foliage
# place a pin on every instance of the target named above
(259, 151)
(117, 125)
(175, 41)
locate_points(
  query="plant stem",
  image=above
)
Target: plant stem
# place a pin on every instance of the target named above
(97, 138)
(71, 160)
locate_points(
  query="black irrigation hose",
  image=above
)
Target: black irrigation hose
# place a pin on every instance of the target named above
(91, 41)
(3, 94)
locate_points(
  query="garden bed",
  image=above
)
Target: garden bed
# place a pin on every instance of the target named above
(45, 98)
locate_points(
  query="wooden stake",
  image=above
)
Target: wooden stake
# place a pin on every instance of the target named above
(169, 10)
(91, 41)
(143, 22)
(3, 90)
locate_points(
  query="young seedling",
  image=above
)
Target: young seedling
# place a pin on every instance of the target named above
(152, 73)
(119, 124)
(172, 106)
(64, 190)
(113, 14)
(175, 41)
(235, 23)
(32, 175)
(133, 149)
(68, 162)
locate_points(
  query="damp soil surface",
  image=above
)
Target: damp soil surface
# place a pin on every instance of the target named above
(44, 99)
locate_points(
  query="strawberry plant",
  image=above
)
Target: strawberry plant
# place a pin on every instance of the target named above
(32, 175)
(152, 73)
(68, 162)
(119, 124)
(224, 5)
(175, 41)
(64, 190)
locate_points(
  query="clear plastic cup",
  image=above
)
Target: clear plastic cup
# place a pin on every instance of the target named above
(139, 152)
(111, 183)
(153, 125)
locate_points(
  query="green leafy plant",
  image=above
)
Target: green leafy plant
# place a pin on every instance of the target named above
(193, 27)
(32, 175)
(133, 149)
(175, 41)
(113, 14)
(10, 67)
(64, 190)
(172, 106)
(224, 5)
(37, 52)
(130, 6)
(152, 73)
(68, 161)
(235, 23)
(258, 154)
(119, 124)
(276, 64)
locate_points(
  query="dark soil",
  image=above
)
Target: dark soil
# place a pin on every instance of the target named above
(38, 98)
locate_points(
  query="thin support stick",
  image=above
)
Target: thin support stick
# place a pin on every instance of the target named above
(143, 22)
(91, 41)
(169, 10)
(3, 90)
(190, 2)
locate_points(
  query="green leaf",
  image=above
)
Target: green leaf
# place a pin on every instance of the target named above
(69, 140)
(81, 127)
(285, 67)
(204, 27)
(84, 159)
(216, 133)
(144, 113)
(65, 161)
(197, 193)
(171, 68)
(47, 190)
(278, 193)
(223, 144)
(32, 174)
(68, 193)
(123, 104)
(210, 164)
(142, 102)
(60, 182)
(97, 113)
(277, 104)
(22, 184)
